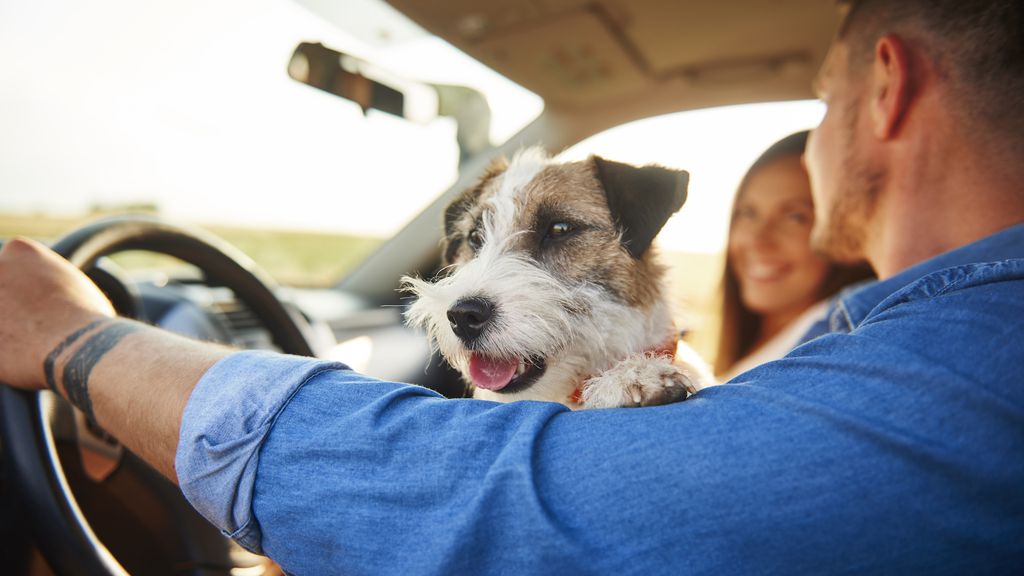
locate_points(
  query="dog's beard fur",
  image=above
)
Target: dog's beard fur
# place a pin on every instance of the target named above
(568, 326)
(579, 327)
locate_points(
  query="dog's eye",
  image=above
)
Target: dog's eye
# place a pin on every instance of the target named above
(558, 230)
(475, 239)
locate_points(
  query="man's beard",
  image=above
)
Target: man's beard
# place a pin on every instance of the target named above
(842, 235)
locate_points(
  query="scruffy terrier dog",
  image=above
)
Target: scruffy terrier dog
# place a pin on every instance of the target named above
(552, 291)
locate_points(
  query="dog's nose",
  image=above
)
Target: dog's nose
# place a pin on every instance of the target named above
(469, 317)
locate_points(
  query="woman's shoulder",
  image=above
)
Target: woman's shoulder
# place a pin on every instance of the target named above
(780, 344)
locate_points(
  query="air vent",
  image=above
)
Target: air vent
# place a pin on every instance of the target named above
(243, 328)
(240, 319)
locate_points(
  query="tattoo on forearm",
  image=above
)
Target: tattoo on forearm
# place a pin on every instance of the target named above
(80, 365)
(51, 358)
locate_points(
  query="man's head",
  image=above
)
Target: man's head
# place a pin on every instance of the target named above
(889, 62)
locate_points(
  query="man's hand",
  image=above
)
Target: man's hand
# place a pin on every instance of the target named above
(43, 299)
(134, 379)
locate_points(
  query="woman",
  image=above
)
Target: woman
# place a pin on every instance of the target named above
(775, 287)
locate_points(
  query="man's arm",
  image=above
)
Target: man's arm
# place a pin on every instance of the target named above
(849, 470)
(882, 451)
(56, 325)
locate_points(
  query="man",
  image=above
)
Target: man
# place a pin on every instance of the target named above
(895, 445)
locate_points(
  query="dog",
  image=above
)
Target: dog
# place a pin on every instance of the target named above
(551, 289)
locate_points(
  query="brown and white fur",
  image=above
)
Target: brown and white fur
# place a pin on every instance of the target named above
(551, 281)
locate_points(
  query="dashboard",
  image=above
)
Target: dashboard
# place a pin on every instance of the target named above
(370, 339)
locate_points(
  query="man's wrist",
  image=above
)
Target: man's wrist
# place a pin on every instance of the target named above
(72, 361)
(49, 365)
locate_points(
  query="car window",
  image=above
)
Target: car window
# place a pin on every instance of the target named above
(186, 109)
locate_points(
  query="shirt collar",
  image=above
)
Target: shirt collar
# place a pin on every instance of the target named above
(855, 302)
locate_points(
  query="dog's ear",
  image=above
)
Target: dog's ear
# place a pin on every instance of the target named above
(453, 240)
(641, 199)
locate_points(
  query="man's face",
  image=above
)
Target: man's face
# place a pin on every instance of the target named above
(844, 179)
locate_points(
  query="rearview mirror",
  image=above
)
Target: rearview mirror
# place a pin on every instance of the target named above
(358, 81)
(334, 72)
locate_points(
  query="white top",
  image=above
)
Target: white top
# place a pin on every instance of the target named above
(781, 343)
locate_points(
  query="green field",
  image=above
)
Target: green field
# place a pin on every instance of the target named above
(695, 283)
(317, 260)
(290, 257)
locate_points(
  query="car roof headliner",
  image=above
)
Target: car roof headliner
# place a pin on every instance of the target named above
(637, 58)
(602, 63)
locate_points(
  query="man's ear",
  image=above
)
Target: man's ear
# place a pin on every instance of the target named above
(890, 88)
(641, 200)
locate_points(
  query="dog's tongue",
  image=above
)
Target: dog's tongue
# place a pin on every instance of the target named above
(490, 373)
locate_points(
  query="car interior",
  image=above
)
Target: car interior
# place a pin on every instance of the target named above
(75, 502)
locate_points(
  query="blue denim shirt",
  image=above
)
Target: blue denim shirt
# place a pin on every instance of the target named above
(894, 446)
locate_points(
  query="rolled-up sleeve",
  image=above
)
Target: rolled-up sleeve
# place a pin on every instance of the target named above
(225, 423)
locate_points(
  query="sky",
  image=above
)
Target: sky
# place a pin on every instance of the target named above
(187, 105)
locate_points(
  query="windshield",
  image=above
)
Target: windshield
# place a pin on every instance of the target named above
(186, 109)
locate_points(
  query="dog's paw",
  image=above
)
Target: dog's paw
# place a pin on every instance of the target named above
(643, 380)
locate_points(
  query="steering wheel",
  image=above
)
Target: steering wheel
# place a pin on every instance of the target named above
(134, 499)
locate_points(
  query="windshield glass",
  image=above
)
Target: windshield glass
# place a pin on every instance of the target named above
(186, 109)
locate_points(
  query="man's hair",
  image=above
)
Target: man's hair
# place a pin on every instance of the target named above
(976, 45)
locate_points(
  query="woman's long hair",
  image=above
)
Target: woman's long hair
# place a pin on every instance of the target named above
(739, 324)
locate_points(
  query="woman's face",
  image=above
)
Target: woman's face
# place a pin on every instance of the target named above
(769, 241)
